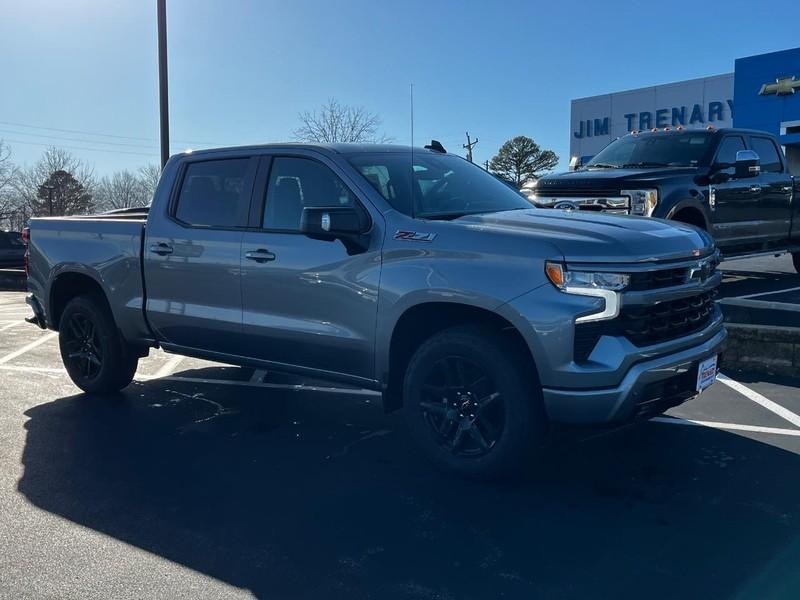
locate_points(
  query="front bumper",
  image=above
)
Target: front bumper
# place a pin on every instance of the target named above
(648, 387)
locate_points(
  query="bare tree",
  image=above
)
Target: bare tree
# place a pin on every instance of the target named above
(335, 122)
(122, 190)
(29, 181)
(149, 176)
(8, 173)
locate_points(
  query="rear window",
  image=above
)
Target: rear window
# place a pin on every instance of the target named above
(768, 153)
(216, 193)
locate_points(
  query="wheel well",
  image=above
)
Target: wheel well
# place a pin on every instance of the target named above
(65, 288)
(690, 216)
(421, 322)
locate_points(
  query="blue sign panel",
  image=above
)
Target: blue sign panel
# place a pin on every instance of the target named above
(767, 94)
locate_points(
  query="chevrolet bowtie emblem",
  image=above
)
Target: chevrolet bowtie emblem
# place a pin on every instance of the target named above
(782, 87)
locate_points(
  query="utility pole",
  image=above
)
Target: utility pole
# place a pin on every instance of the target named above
(469, 145)
(486, 164)
(49, 189)
(162, 79)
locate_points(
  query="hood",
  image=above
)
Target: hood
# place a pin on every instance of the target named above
(593, 177)
(584, 236)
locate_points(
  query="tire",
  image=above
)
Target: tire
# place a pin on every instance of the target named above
(92, 350)
(796, 261)
(499, 396)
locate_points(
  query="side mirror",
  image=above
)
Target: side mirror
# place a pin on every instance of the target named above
(329, 223)
(748, 164)
(575, 163)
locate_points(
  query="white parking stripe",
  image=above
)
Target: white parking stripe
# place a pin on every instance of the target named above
(794, 289)
(31, 346)
(779, 410)
(169, 367)
(258, 376)
(731, 426)
(10, 325)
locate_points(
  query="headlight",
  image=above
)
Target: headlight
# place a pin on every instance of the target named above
(643, 202)
(590, 283)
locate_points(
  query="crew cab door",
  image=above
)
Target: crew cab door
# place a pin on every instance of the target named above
(775, 208)
(734, 202)
(309, 303)
(191, 256)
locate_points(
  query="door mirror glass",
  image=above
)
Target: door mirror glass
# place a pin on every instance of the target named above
(748, 164)
(331, 222)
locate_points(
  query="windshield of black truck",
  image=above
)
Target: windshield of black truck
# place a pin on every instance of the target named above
(657, 150)
(442, 186)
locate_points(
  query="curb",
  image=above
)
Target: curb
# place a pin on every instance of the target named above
(763, 348)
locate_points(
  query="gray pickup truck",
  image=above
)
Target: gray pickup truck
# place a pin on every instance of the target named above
(408, 271)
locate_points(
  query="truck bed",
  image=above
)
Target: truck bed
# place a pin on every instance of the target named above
(106, 248)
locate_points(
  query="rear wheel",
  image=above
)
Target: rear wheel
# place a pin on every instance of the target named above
(796, 261)
(92, 350)
(472, 404)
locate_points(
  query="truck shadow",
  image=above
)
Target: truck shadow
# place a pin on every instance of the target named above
(302, 495)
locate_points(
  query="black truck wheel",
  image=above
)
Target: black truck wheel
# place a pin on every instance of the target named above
(92, 350)
(472, 404)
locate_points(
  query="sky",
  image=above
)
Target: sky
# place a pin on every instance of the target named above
(83, 74)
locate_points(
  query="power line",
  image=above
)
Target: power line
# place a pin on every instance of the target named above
(103, 150)
(71, 139)
(111, 135)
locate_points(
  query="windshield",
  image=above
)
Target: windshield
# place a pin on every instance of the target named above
(443, 186)
(658, 150)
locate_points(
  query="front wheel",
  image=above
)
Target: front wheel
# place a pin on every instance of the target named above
(472, 403)
(92, 350)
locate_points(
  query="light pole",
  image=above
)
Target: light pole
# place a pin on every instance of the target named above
(162, 79)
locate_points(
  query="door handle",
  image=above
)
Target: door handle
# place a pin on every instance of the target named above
(756, 189)
(261, 255)
(161, 249)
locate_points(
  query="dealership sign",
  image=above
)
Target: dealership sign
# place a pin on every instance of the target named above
(695, 115)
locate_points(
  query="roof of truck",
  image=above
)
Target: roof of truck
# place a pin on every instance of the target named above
(338, 148)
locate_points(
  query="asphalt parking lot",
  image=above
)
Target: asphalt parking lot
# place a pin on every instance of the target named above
(203, 480)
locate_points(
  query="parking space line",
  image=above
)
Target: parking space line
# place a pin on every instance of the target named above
(31, 346)
(10, 325)
(169, 367)
(774, 407)
(731, 426)
(258, 376)
(794, 289)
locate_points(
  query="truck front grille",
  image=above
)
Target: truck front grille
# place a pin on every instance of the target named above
(647, 325)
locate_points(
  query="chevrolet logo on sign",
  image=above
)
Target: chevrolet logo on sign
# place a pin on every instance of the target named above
(782, 87)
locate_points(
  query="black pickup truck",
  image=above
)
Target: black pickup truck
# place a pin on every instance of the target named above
(733, 183)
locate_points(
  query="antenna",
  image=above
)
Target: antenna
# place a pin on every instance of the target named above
(411, 186)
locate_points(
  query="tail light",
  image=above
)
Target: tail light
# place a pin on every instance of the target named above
(26, 237)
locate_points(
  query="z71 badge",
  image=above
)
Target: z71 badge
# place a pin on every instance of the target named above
(414, 236)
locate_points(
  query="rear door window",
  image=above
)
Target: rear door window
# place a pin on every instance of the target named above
(216, 193)
(768, 153)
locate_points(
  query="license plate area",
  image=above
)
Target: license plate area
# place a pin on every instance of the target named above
(706, 373)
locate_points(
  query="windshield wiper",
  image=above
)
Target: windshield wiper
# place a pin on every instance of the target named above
(602, 166)
(644, 163)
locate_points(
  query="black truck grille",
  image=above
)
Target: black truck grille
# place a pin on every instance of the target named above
(648, 325)
(650, 280)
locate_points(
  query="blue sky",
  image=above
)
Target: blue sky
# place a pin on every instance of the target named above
(241, 70)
